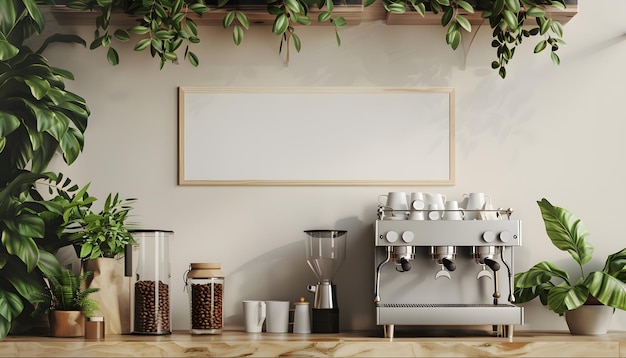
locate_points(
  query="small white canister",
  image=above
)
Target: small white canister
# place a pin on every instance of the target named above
(301, 317)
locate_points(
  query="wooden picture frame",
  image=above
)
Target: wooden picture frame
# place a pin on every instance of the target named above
(316, 136)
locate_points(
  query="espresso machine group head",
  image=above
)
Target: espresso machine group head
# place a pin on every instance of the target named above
(325, 252)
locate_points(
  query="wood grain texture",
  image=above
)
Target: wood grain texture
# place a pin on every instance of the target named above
(237, 344)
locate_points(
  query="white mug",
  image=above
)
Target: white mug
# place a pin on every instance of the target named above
(396, 200)
(452, 211)
(417, 201)
(436, 199)
(433, 212)
(277, 317)
(254, 313)
(475, 203)
(416, 215)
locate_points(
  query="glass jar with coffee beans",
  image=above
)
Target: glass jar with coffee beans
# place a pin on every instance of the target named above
(205, 284)
(151, 309)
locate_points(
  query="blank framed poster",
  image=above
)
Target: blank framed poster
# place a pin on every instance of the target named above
(316, 136)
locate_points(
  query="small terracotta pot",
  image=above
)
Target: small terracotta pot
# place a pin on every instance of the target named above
(67, 323)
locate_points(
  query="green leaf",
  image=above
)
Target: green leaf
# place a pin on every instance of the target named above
(23, 247)
(8, 123)
(555, 58)
(513, 5)
(540, 274)
(10, 305)
(447, 16)
(122, 35)
(557, 4)
(396, 8)
(557, 28)
(464, 23)
(565, 298)
(243, 19)
(615, 265)
(566, 231)
(38, 86)
(237, 34)
(339, 22)
(510, 18)
(193, 59)
(296, 41)
(280, 24)
(453, 38)
(324, 16)
(228, 19)
(293, 5)
(142, 44)
(112, 56)
(607, 289)
(139, 30)
(7, 50)
(535, 11)
(541, 46)
(465, 6)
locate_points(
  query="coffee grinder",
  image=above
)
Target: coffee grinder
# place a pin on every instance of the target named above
(325, 252)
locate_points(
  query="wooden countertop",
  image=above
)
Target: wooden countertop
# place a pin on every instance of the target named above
(354, 344)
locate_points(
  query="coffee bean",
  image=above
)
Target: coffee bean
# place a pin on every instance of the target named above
(152, 307)
(206, 306)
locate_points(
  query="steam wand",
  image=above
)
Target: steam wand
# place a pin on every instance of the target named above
(495, 266)
(378, 269)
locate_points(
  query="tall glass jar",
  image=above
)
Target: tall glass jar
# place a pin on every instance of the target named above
(151, 289)
(205, 284)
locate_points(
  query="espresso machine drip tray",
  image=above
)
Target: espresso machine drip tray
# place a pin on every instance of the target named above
(449, 314)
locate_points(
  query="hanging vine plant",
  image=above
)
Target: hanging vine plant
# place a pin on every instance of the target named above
(167, 27)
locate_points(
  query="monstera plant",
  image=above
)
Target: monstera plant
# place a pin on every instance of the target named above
(38, 118)
(164, 26)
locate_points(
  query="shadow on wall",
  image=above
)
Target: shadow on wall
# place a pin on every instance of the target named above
(283, 274)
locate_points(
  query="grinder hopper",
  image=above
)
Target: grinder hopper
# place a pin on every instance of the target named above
(325, 252)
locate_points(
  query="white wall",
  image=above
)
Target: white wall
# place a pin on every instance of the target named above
(545, 131)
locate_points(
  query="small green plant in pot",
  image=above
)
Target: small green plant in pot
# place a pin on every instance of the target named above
(70, 303)
(106, 233)
(555, 288)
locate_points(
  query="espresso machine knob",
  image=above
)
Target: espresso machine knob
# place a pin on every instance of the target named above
(408, 236)
(505, 236)
(391, 236)
(489, 236)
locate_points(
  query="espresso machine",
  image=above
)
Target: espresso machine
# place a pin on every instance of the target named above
(325, 252)
(445, 275)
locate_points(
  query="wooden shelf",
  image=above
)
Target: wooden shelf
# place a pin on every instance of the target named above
(213, 17)
(354, 15)
(413, 18)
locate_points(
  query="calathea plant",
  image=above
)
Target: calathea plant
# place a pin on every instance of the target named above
(561, 292)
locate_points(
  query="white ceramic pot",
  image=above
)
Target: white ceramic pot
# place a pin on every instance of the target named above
(589, 319)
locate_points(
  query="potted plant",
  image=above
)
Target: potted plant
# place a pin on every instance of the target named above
(564, 294)
(105, 233)
(38, 118)
(70, 304)
(100, 239)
